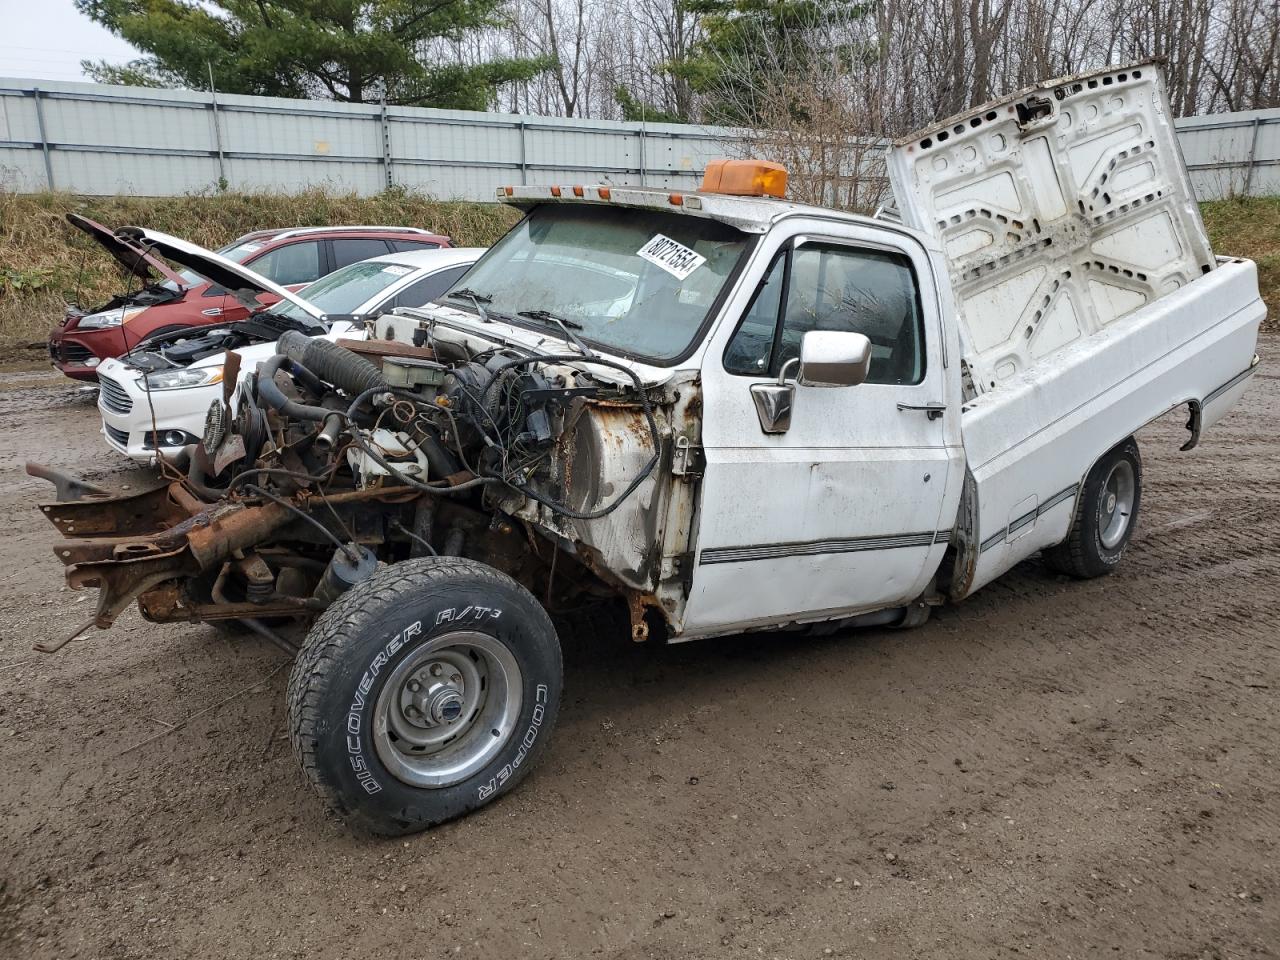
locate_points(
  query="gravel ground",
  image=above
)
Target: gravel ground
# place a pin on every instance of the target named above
(1056, 768)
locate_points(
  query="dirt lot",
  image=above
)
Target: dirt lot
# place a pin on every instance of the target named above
(1055, 768)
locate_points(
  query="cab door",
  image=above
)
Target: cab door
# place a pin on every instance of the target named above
(848, 509)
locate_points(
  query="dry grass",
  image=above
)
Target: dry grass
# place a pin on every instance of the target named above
(44, 261)
(1250, 227)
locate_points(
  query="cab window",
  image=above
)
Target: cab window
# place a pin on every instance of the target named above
(830, 287)
(751, 348)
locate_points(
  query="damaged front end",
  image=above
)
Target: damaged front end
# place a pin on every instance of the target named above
(565, 471)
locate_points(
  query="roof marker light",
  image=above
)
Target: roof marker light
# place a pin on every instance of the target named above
(745, 178)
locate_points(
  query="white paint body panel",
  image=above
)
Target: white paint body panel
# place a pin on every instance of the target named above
(841, 513)
(1040, 432)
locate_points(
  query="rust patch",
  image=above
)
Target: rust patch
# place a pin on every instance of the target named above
(167, 603)
(376, 349)
(137, 514)
(638, 601)
(636, 607)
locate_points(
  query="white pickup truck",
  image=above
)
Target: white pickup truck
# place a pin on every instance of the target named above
(717, 410)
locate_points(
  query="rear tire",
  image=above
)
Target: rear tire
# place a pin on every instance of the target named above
(1106, 516)
(423, 693)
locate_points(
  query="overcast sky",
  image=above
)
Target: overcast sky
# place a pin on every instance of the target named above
(47, 39)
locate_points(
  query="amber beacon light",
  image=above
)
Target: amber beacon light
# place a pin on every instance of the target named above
(745, 178)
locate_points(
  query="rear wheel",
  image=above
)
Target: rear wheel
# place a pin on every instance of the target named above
(1106, 515)
(424, 693)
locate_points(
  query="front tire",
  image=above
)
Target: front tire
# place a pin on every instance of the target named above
(424, 693)
(1106, 516)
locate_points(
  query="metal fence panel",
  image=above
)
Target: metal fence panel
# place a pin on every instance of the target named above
(103, 140)
(1233, 153)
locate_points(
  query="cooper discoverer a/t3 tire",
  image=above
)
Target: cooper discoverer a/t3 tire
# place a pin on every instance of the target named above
(424, 693)
(1106, 515)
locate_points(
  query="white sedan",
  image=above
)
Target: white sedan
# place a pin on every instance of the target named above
(154, 399)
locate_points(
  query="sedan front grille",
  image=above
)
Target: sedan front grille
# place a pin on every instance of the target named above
(119, 437)
(73, 352)
(113, 396)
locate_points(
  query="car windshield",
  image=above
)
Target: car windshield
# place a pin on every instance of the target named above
(633, 281)
(345, 291)
(239, 252)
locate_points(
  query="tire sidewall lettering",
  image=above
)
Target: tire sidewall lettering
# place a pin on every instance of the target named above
(498, 780)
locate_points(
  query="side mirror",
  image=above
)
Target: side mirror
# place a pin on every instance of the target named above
(834, 358)
(828, 358)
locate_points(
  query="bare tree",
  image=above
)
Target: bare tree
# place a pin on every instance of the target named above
(1245, 58)
(899, 63)
(817, 112)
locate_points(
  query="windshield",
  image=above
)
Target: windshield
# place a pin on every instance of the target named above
(239, 252)
(346, 290)
(634, 281)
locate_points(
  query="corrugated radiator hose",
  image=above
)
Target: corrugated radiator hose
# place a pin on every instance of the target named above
(330, 362)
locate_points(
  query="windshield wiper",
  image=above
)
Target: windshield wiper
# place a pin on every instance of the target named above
(477, 300)
(567, 326)
(548, 316)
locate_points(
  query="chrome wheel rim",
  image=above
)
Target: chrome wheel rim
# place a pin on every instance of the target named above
(447, 709)
(1115, 509)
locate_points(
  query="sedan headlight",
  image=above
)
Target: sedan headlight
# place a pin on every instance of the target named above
(180, 379)
(108, 318)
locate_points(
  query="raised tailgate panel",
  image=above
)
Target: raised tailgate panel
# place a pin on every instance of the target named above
(1060, 208)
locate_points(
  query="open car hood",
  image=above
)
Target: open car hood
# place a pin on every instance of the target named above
(127, 253)
(242, 282)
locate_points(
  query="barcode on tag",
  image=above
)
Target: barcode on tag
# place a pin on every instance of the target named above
(675, 258)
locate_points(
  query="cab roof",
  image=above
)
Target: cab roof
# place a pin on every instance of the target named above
(748, 214)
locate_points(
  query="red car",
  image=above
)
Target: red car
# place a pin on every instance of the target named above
(166, 300)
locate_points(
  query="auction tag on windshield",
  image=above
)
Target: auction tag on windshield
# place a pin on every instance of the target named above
(675, 258)
(396, 270)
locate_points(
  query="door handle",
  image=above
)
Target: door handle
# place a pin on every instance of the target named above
(933, 411)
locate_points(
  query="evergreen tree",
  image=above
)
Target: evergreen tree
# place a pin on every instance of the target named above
(748, 46)
(349, 50)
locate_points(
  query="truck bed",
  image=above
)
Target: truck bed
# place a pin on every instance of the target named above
(1027, 441)
(1089, 302)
